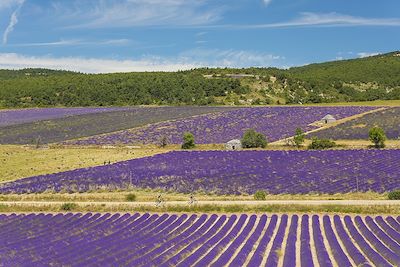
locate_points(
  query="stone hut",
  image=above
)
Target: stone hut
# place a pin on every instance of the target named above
(328, 119)
(234, 144)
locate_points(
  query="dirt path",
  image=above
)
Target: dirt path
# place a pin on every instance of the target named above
(330, 125)
(184, 203)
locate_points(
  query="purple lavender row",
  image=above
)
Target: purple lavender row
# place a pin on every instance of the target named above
(335, 171)
(124, 255)
(275, 122)
(222, 243)
(373, 256)
(388, 229)
(204, 246)
(145, 258)
(322, 254)
(226, 256)
(393, 223)
(241, 257)
(273, 256)
(164, 240)
(173, 235)
(122, 242)
(19, 116)
(376, 243)
(290, 251)
(176, 246)
(378, 232)
(194, 243)
(258, 255)
(118, 255)
(305, 249)
(337, 251)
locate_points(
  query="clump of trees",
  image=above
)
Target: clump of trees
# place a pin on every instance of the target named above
(260, 195)
(394, 195)
(317, 143)
(130, 197)
(377, 136)
(299, 137)
(188, 141)
(253, 139)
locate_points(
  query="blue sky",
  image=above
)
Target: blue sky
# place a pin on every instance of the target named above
(148, 35)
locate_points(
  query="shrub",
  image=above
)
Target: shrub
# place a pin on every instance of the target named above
(317, 143)
(188, 141)
(130, 197)
(394, 195)
(299, 137)
(260, 195)
(68, 206)
(377, 136)
(163, 142)
(253, 139)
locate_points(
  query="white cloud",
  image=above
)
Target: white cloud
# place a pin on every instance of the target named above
(126, 13)
(230, 58)
(327, 19)
(367, 54)
(90, 65)
(76, 42)
(13, 21)
(267, 2)
(4, 4)
(187, 60)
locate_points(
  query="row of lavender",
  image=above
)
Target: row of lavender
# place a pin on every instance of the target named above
(18, 116)
(198, 240)
(275, 122)
(96, 121)
(233, 172)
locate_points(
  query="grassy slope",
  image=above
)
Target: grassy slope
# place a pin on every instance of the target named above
(18, 162)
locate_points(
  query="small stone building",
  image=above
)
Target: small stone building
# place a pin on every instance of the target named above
(234, 144)
(328, 119)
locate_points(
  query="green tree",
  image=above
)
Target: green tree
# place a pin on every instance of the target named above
(188, 141)
(317, 143)
(253, 139)
(260, 195)
(299, 137)
(377, 136)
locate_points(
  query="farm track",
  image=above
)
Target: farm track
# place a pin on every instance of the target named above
(327, 126)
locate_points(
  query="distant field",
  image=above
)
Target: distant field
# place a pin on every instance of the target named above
(19, 116)
(71, 127)
(143, 239)
(232, 172)
(275, 122)
(18, 162)
(358, 128)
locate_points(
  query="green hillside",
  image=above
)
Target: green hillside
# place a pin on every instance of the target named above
(362, 79)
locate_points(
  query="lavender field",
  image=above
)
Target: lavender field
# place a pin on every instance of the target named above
(198, 240)
(388, 119)
(275, 122)
(19, 116)
(104, 120)
(233, 172)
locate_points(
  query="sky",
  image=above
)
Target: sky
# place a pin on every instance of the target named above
(102, 36)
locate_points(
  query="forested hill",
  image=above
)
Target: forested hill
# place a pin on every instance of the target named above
(362, 79)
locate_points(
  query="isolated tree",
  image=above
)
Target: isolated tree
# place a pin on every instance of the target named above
(188, 141)
(163, 142)
(299, 137)
(253, 139)
(377, 136)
